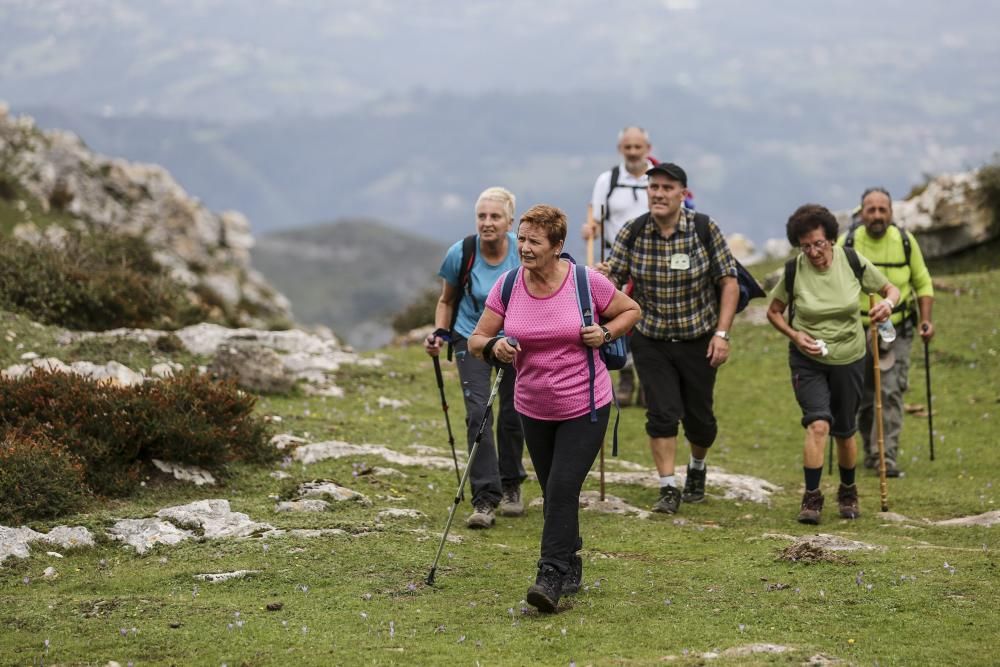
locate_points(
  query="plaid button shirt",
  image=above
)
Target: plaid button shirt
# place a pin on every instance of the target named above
(679, 304)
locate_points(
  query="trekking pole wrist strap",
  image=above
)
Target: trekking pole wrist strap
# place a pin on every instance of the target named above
(488, 348)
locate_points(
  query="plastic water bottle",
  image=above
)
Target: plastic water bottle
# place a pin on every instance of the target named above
(886, 331)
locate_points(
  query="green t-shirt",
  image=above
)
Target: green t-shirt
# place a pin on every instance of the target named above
(826, 304)
(910, 279)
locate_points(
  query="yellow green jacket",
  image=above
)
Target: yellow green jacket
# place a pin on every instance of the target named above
(912, 280)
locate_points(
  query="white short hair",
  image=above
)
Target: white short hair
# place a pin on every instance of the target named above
(645, 134)
(501, 195)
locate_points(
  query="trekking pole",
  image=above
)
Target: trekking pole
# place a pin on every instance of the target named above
(590, 251)
(468, 467)
(930, 411)
(829, 458)
(447, 420)
(883, 489)
(602, 441)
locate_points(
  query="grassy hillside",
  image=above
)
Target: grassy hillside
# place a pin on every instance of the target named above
(706, 580)
(352, 276)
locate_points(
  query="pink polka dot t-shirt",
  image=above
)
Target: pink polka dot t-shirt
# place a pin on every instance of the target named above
(553, 380)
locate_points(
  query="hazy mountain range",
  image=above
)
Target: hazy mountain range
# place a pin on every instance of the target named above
(299, 111)
(351, 276)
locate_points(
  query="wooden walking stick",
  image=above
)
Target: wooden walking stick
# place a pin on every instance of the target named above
(883, 489)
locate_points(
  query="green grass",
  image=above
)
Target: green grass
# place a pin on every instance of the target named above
(366, 602)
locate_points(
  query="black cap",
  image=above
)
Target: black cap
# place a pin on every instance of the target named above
(670, 170)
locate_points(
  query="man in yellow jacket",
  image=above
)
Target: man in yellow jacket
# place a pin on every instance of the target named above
(896, 253)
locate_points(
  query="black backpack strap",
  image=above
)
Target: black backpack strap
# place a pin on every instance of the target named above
(606, 213)
(790, 268)
(849, 239)
(508, 286)
(634, 229)
(703, 232)
(464, 284)
(852, 259)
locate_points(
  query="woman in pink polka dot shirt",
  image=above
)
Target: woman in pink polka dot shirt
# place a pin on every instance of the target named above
(552, 395)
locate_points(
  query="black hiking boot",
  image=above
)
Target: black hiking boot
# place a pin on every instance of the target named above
(812, 505)
(847, 501)
(544, 593)
(573, 578)
(694, 485)
(670, 500)
(511, 503)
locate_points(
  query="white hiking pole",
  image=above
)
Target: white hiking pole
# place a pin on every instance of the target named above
(468, 466)
(883, 490)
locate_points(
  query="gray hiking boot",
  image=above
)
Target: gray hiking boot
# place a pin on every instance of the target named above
(511, 503)
(483, 515)
(847, 501)
(694, 485)
(670, 500)
(812, 505)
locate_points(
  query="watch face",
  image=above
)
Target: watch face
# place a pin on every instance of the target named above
(607, 335)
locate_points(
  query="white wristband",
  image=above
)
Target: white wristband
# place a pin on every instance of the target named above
(891, 304)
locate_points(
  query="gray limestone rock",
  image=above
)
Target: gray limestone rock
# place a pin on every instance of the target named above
(214, 518)
(143, 534)
(252, 366)
(331, 490)
(306, 505)
(185, 473)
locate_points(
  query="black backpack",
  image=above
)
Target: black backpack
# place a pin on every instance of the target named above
(469, 247)
(791, 266)
(748, 285)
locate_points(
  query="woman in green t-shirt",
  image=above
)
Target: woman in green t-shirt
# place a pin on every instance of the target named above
(827, 350)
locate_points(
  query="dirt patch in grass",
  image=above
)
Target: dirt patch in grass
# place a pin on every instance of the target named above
(807, 552)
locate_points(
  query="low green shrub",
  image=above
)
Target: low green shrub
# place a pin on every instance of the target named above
(188, 418)
(96, 281)
(194, 419)
(39, 479)
(419, 313)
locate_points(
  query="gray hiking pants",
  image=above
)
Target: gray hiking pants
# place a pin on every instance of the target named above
(895, 382)
(490, 472)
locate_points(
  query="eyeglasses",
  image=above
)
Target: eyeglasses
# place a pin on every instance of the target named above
(815, 245)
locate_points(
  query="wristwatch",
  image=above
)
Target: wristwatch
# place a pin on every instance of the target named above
(607, 334)
(724, 335)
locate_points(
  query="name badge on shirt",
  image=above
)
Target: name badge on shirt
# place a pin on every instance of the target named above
(680, 261)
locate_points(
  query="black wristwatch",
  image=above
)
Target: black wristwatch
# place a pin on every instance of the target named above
(607, 334)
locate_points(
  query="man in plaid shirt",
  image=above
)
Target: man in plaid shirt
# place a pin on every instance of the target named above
(688, 294)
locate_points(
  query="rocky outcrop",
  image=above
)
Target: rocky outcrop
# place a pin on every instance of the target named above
(948, 215)
(207, 252)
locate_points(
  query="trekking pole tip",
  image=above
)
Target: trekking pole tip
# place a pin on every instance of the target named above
(430, 577)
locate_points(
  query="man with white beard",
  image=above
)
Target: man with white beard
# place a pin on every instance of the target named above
(619, 196)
